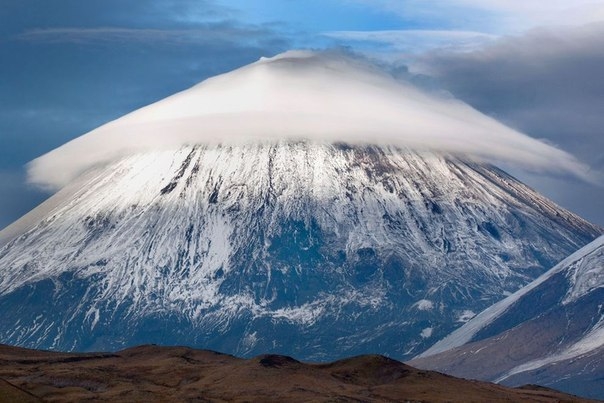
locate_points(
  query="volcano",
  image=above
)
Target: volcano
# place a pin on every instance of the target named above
(313, 248)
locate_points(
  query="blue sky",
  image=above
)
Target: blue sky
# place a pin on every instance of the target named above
(69, 66)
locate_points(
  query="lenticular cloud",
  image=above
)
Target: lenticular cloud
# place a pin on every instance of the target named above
(321, 96)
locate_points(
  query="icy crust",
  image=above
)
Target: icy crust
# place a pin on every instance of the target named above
(585, 272)
(360, 247)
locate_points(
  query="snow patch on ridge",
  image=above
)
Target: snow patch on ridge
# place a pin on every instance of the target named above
(587, 275)
(424, 305)
(466, 316)
(426, 333)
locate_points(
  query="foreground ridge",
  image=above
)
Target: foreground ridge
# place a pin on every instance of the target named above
(152, 373)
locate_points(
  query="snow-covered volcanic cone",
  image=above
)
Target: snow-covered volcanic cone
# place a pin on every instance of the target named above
(307, 204)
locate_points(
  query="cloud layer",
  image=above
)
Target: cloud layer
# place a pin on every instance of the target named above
(302, 95)
(69, 66)
(548, 83)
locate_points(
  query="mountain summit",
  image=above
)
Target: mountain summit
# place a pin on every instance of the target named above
(302, 95)
(281, 241)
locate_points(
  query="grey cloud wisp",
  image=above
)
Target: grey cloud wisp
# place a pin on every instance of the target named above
(548, 82)
(323, 96)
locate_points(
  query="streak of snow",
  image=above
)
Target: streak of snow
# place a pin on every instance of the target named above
(592, 341)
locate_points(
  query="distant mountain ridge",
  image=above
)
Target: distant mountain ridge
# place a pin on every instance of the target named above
(311, 249)
(550, 332)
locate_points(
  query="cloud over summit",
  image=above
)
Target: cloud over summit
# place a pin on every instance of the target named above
(322, 96)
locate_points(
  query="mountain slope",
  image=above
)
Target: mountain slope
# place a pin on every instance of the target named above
(311, 249)
(551, 332)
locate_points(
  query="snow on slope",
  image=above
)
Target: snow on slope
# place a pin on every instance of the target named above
(586, 270)
(549, 333)
(302, 95)
(238, 247)
(586, 273)
(231, 216)
(593, 340)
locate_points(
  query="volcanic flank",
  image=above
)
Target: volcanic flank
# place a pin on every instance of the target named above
(250, 214)
(550, 332)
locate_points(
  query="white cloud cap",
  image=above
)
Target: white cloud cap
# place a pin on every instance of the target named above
(325, 96)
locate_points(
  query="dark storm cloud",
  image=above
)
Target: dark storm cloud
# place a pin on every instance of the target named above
(548, 83)
(69, 66)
